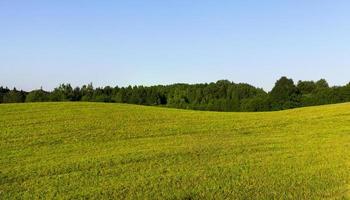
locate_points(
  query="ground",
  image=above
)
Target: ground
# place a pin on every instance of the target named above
(97, 150)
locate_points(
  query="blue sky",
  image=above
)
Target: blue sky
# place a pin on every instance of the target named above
(44, 43)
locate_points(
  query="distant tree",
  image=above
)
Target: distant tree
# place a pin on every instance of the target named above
(306, 87)
(258, 103)
(99, 95)
(37, 96)
(62, 93)
(222, 95)
(322, 94)
(3, 91)
(284, 95)
(322, 83)
(77, 95)
(14, 96)
(87, 92)
(346, 92)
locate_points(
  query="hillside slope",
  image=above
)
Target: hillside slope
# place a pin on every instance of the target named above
(96, 150)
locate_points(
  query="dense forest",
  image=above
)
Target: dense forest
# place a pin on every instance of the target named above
(220, 96)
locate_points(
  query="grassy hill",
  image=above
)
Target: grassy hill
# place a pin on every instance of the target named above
(96, 150)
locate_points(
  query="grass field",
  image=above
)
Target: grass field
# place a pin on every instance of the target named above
(116, 151)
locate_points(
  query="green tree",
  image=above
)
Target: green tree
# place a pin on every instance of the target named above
(87, 92)
(14, 96)
(37, 96)
(306, 87)
(284, 95)
(3, 91)
(62, 93)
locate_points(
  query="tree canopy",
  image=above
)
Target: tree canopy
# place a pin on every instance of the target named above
(222, 95)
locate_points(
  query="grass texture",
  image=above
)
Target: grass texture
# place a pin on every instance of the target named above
(117, 151)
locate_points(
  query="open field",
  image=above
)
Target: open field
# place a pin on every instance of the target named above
(96, 150)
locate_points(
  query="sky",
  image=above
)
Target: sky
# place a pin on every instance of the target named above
(150, 42)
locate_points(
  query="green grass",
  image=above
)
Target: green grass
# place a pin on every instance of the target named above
(116, 151)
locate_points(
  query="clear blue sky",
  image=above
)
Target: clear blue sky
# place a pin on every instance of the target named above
(44, 43)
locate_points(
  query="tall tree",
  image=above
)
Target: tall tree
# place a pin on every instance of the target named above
(14, 96)
(284, 95)
(37, 96)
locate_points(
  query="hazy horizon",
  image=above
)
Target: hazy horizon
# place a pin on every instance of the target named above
(122, 43)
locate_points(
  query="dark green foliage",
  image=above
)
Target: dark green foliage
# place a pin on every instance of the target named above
(284, 95)
(62, 93)
(306, 87)
(322, 83)
(3, 91)
(87, 92)
(14, 96)
(258, 103)
(220, 96)
(38, 96)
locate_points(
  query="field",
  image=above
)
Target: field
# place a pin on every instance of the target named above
(117, 151)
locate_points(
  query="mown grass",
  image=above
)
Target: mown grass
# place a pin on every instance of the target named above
(116, 151)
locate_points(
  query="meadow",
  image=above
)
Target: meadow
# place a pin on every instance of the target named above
(119, 151)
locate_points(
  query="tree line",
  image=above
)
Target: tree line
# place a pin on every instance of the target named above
(222, 95)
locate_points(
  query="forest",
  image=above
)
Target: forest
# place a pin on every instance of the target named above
(220, 96)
